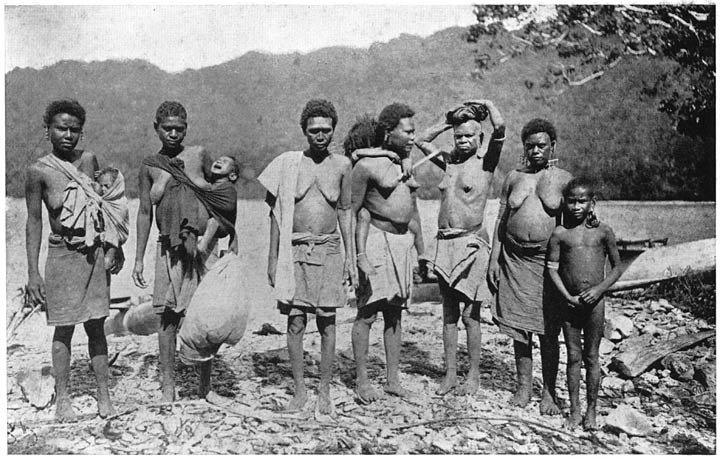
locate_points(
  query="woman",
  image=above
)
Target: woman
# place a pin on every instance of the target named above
(530, 208)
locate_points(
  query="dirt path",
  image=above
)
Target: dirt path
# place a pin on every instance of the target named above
(252, 380)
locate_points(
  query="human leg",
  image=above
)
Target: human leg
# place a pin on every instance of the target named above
(451, 315)
(295, 333)
(392, 338)
(62, 339)
(326, 327)
(591, 356)
(167, 338)
(574, 359)
(97, 347)
(471, 320)
(549, 359)
(523, 365)
(204, 385)
(360, 343)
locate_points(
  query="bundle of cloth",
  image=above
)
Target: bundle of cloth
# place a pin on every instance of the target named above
(467, 112)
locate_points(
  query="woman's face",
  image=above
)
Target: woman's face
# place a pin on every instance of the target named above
(64, 132)
(538, 149)
(401, 139)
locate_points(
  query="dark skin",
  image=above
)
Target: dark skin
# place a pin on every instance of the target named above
(171, 131)
(464, 190)
(45, 186)
(379, 188)
(576, 265)
(323, 183)
(530, 208)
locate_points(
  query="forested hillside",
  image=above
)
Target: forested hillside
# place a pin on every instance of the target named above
(609, 128)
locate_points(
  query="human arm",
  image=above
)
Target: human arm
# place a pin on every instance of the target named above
(497, 138)
(210, 230)
(552, 264)
(274, 240)
(345, 217)
(144, 220)
(493, 272)
(33, 233)
(593, 294)
(374, 153)
(424, 141)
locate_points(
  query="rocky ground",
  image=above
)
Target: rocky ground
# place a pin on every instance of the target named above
(670, 408)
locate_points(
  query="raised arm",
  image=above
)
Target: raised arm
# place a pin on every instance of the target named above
(345, 218)
(374, 153)
(33, 233)
(497, 139)
(424, 141)
(144, 220)
(593, 294)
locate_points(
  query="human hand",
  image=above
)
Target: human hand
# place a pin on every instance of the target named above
(272, 269)
(574, 301)
(36, 289)
(350, 272)
(493, 276)
(137, 274)
(591, 295)
(114, 259)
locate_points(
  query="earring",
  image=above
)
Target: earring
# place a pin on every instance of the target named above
(47, 134)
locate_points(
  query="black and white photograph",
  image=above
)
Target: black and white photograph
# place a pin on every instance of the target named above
(360, 228)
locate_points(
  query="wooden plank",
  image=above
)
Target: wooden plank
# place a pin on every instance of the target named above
(635, 361)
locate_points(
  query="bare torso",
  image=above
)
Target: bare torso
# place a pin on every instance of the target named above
(54, 183)
(320, 187)
(391, 204)
(534, 201)
(464, 191)
(582, 256)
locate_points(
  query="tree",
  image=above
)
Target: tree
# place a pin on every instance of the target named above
(592, 38)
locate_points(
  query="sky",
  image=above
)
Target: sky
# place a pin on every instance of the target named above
(177, 37)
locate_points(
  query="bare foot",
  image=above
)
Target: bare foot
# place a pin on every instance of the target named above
(105, 408)
(548, 406)
(448, 384)
(471, 385)
(324, 403)
(397, 390)
(573, 420)
(298, 402)
(366, 393)
(521, 397)
(64, 411)
(365, 266)
(168, 393)
(590, 423)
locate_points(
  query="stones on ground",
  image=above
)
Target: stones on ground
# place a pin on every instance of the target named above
(612, 385)
(606, 346)
(37, 386)
(626, 419)
(706, 374)
(681, 368)
(618, 327)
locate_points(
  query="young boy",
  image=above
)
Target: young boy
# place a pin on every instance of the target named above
(576, 264)
(362, 142)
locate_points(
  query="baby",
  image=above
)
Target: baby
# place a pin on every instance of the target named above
(110, 185)
(576, 264)
(224, 172)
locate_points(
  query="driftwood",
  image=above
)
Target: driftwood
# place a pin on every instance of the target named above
(635, 361)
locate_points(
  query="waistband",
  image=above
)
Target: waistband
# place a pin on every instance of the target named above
(524, 247)
(452, 233)
(315, 239)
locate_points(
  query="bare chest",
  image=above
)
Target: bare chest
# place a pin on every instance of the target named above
(324, 177)
(465, 179)
(542, 186)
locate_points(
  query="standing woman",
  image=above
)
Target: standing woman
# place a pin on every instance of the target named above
(76, 288)
(530, 208)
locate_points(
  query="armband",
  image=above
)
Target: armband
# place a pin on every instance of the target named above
(498, 139)
(554, 265)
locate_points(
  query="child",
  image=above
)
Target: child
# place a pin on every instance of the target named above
(361, 142)
(576, 264)
(110, 185)
(224, 172)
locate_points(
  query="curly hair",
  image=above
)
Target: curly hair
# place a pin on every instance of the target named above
(170, 108)
(585, 183)
(318, 107)
(361, 135)
(236, 167)
(390, 117)
(69, 106)
(537, 125)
